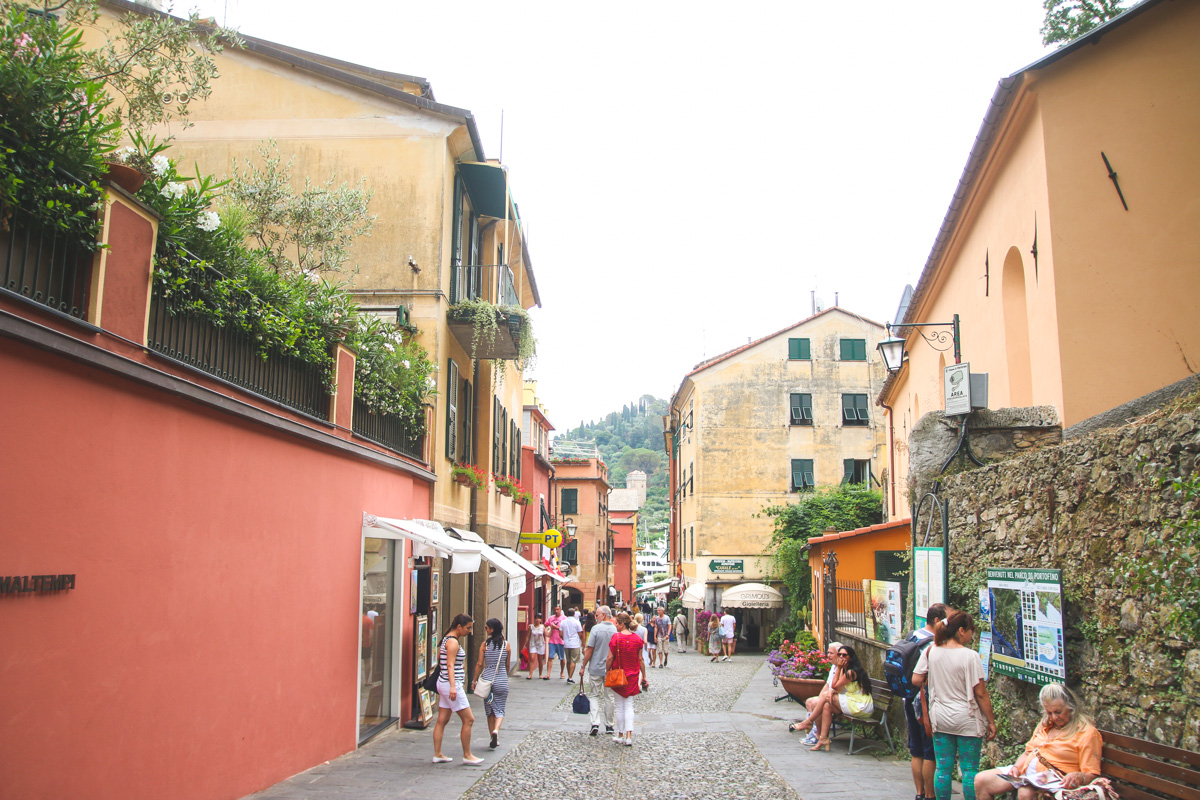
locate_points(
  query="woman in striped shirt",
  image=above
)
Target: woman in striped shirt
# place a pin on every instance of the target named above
(452, 659)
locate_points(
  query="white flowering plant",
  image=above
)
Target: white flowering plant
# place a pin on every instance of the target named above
(393, 374)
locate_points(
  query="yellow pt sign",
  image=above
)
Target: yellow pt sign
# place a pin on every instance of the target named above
(551, 538)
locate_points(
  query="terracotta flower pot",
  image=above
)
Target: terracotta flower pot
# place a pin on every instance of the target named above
(802, 688)
(464, 479)
(506, 491)
(124, 176)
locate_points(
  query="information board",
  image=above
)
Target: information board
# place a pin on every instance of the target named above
(958, 389)
(928, 581)
(882, 601)
(1027, 624)
(726, 565)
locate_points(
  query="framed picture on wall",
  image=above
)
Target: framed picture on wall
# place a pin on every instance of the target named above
(422, 646)
(433, 591)
(412, 593)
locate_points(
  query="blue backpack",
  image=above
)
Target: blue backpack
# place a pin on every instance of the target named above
(899, 663)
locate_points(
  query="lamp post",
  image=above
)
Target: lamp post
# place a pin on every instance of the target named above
(892, 348)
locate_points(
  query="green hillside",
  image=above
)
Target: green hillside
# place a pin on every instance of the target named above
(628, 440)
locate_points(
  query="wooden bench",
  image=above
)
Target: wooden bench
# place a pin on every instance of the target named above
(881, 696)
(1145, 770)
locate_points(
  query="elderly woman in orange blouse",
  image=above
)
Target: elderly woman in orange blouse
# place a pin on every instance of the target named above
(1064, 752)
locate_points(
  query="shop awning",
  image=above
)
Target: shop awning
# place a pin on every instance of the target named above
(751, 595)
(693, 596)
(523, 562)
(487, 186)
(429, 539)
(654, 587)
(516, 575)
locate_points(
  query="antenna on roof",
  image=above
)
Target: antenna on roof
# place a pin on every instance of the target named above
(835, 299)
(813, 294)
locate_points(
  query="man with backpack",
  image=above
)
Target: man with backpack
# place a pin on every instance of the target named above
(898, 669)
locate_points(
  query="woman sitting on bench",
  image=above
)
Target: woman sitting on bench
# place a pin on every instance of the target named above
(1064, 752)
(851, 696)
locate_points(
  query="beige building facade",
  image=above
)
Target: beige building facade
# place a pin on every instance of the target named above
(760, 425)
(1069, 251)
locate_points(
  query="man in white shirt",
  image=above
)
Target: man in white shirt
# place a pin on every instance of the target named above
(728, 623)
(571, 627)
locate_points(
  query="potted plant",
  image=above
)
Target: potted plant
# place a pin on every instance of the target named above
(504, 483)
(801, 672)
(468, 475)
(521, 495)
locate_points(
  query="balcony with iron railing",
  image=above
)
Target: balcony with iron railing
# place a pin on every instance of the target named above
(485, 312)
(44, 263)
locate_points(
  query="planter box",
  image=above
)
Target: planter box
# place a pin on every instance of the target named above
(504, 346)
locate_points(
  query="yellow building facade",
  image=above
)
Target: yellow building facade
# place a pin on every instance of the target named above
(760, 425)
(1069, 251)
(446, 230)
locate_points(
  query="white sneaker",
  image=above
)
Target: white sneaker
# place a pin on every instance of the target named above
(724, 658)
(618, 739)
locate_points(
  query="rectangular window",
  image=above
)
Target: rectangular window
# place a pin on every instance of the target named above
(856, 470)
(854, 349)
(801, 413)
(570, 501)
(570, 553)
(799, 350)
(692, 478)
(497, 434)
(692, 549)
(802, 474)
(854, 409)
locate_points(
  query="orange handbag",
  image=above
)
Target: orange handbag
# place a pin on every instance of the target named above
(615, 678)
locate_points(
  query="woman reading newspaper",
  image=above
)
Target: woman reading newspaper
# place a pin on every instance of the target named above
(1063, 753)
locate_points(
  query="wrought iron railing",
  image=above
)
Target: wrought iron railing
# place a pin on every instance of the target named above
(43, 263)
(390, 431)
(230, 353)
(491, 282)
(850, 612)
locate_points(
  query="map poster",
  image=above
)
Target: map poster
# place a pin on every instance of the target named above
(1027, 624)
(928, 585)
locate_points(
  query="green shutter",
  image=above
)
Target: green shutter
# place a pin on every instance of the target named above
(799, 349)
(452, 411)
(848, 470)
(854, 349)
(570, 501)
(456, 239)
(467, 412)
(797, 410)
(797, 473)
(496, 434)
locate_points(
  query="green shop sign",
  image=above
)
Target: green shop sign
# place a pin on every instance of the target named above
(726, 565)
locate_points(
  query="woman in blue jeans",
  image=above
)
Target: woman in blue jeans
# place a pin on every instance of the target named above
(958, 710)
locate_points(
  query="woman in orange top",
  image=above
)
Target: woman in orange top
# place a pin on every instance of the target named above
(1064, 752)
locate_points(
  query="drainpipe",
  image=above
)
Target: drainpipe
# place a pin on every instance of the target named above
(891, 454)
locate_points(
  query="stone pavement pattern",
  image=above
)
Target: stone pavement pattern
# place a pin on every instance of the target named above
(702, 730)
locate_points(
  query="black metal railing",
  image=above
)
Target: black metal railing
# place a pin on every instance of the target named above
(390, 431)
(231, 354)
(491, 282)
(850, 614)
(42, 263)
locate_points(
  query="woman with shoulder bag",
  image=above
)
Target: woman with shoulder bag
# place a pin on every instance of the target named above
(957, 708)
(625, 656)
(451, 697)
(495, 660)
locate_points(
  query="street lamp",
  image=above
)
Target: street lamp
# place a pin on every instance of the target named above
(892, 348)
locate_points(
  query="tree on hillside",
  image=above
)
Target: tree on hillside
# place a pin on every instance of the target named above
(645, 460)
(1067, 20)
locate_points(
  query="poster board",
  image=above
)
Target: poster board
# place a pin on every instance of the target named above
(881, 599)
(1025, 609)
(426, 706)
(928, 581)
(423, 645)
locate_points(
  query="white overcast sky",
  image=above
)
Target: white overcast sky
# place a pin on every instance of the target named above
(690, 172)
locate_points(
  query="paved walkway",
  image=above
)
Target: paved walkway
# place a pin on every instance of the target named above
(702, 730)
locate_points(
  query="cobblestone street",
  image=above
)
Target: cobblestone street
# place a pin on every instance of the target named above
(702, 730)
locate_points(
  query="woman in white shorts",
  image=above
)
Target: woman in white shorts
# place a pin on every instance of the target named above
(452, 658)
(537, 648)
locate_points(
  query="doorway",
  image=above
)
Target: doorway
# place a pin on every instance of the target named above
(378, 619)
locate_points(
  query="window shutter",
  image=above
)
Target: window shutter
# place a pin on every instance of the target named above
(854, 349)
(467, 412)
(848, 413)
(456, 235)
(799, 349)
(797, 474)
(570, 501)
(847, 470)
(452, 411)
(793, 349)
(497, 432)
(503, 441)
(805, 350)
(797, 409)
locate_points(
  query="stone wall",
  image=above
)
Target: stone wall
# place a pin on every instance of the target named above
(1086, 506)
